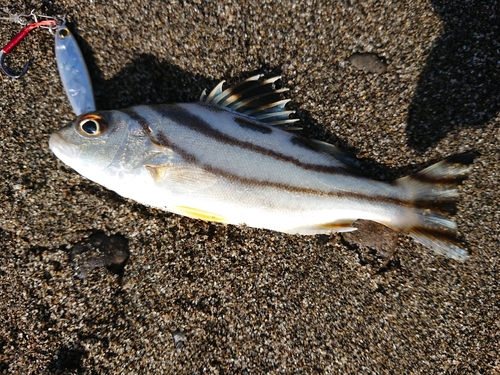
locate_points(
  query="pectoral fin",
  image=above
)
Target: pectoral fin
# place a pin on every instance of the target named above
(191, 177)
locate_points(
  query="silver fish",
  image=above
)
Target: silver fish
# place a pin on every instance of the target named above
(230, 159)
(73, 72)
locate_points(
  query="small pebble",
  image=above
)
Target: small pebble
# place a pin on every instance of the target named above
(374, 236)
(179, 338)
(369, 62)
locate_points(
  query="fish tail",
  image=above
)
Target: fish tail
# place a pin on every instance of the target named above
(432, 193)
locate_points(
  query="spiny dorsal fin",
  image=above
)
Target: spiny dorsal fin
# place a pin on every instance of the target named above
(253, 97)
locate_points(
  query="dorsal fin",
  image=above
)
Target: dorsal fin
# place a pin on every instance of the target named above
(349, 160)
(344, 156)
(253, 97)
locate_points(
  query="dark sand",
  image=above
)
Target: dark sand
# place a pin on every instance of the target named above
(254, 301)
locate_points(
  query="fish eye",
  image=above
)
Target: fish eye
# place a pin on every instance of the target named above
(92, 125)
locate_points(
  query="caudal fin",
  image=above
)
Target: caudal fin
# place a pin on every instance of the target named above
(434, 192)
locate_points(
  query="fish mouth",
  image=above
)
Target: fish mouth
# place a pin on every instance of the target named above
(63, 149)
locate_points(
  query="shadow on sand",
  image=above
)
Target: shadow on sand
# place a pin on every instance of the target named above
(460, 85)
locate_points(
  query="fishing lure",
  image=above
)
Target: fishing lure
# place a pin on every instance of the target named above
(70, 63)
(73, 72)
(229, 159)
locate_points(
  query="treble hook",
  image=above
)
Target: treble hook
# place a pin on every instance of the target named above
(16, 40)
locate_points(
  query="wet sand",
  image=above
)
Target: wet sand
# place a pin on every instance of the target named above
(244, 300)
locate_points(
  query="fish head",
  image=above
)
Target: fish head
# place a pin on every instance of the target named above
(95, 143)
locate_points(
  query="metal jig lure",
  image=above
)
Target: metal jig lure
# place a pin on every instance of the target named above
(73, 72)
(70, 63)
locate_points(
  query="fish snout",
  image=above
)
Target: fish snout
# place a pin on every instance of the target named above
(62, 148)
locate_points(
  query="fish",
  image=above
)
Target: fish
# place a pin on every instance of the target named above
(73, 71)
(235, 157)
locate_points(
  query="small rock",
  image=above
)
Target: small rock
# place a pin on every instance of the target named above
(99, 250)
(374, 236)
(369, 62)
(179, 338)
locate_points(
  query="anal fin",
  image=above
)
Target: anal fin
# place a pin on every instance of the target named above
(196, 213)
(325, 228)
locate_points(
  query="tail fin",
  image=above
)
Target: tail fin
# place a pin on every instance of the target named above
(434, 191)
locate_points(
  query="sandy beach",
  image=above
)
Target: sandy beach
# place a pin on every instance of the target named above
(92, 283)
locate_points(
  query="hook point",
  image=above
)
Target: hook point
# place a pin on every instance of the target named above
(9, 72)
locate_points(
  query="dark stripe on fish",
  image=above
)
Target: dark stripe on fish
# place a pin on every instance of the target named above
(136, 117)
(163, 140)
(254, 126)
(448, 206)
(193, 122)
(212, 107)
